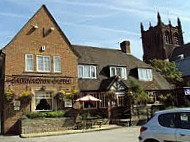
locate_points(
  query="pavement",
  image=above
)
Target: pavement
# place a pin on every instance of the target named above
(122, 134)
(95, 128)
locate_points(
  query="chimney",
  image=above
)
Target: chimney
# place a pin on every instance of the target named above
(125, 47)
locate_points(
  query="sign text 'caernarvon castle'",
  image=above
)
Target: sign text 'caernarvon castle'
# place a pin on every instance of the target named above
(37, 80)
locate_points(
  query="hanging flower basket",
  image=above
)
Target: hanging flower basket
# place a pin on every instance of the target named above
(69, 95)
(75, 91)
(9, 95)
(60, 94)
(25, 96)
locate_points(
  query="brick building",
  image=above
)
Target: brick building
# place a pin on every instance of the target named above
(160, 41)
(40, 60)
(104, 69)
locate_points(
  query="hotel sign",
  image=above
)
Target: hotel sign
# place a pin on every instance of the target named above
(38, 80)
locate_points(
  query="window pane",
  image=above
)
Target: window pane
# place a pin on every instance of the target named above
(80, 71)
(185, 120)
(123, 73)
(39, 63)
(118, 71)
(113, 72)
(150, 74)
(93, 71)
(102, 97)
(86, 71)
(168, 120)
(46, 63)
(145, 74)
(120, 100)
(29, 66)
(57, 64)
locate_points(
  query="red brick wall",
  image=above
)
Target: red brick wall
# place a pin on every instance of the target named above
(30, 41)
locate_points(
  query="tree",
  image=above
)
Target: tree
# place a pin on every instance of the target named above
(138, 95)
(168, 70)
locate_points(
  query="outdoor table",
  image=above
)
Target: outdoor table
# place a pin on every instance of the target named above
(79, 125)
(89, 122)
(99, 123)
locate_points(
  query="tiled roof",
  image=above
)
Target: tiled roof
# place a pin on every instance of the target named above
(104, 58)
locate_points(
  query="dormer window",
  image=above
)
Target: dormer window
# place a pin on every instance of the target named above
(145, 74)
(119, 71)
(87, 71)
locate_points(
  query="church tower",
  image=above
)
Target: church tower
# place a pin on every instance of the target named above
(159, 41)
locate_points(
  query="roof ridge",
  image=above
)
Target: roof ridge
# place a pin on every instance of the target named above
(104, 48)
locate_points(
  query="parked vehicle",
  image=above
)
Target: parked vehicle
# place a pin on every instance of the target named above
(167, 126)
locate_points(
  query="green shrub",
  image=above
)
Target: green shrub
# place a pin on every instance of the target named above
(53, 114)
(48, 114)
(33, 115)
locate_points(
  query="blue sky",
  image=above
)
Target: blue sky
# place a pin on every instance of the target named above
(102, 23)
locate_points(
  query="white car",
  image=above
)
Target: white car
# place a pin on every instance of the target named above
(167, 126)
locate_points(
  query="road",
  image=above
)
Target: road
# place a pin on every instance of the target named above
(125, 134)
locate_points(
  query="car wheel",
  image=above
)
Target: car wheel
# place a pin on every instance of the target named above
(151, 140)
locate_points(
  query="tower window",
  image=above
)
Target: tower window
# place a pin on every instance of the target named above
(176, 39)
(168, 37)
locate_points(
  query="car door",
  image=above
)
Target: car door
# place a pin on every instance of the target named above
(183, 132)
(167, 132)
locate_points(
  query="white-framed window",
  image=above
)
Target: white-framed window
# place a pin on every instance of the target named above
(145, 74)
(29, 63)
(43, 101)
(43, 63)
(57, 64)
(120, 71)
(87, 71)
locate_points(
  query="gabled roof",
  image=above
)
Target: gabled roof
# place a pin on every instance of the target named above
(49, 14)
(108, 56)
(106, 84)
(103, 58)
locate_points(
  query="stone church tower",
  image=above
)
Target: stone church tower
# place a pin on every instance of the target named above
(159, 41)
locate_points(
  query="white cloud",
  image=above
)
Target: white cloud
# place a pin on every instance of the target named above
(12, 15)
(102, 28)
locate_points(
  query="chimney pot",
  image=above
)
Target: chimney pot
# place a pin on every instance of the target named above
(125, 47)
